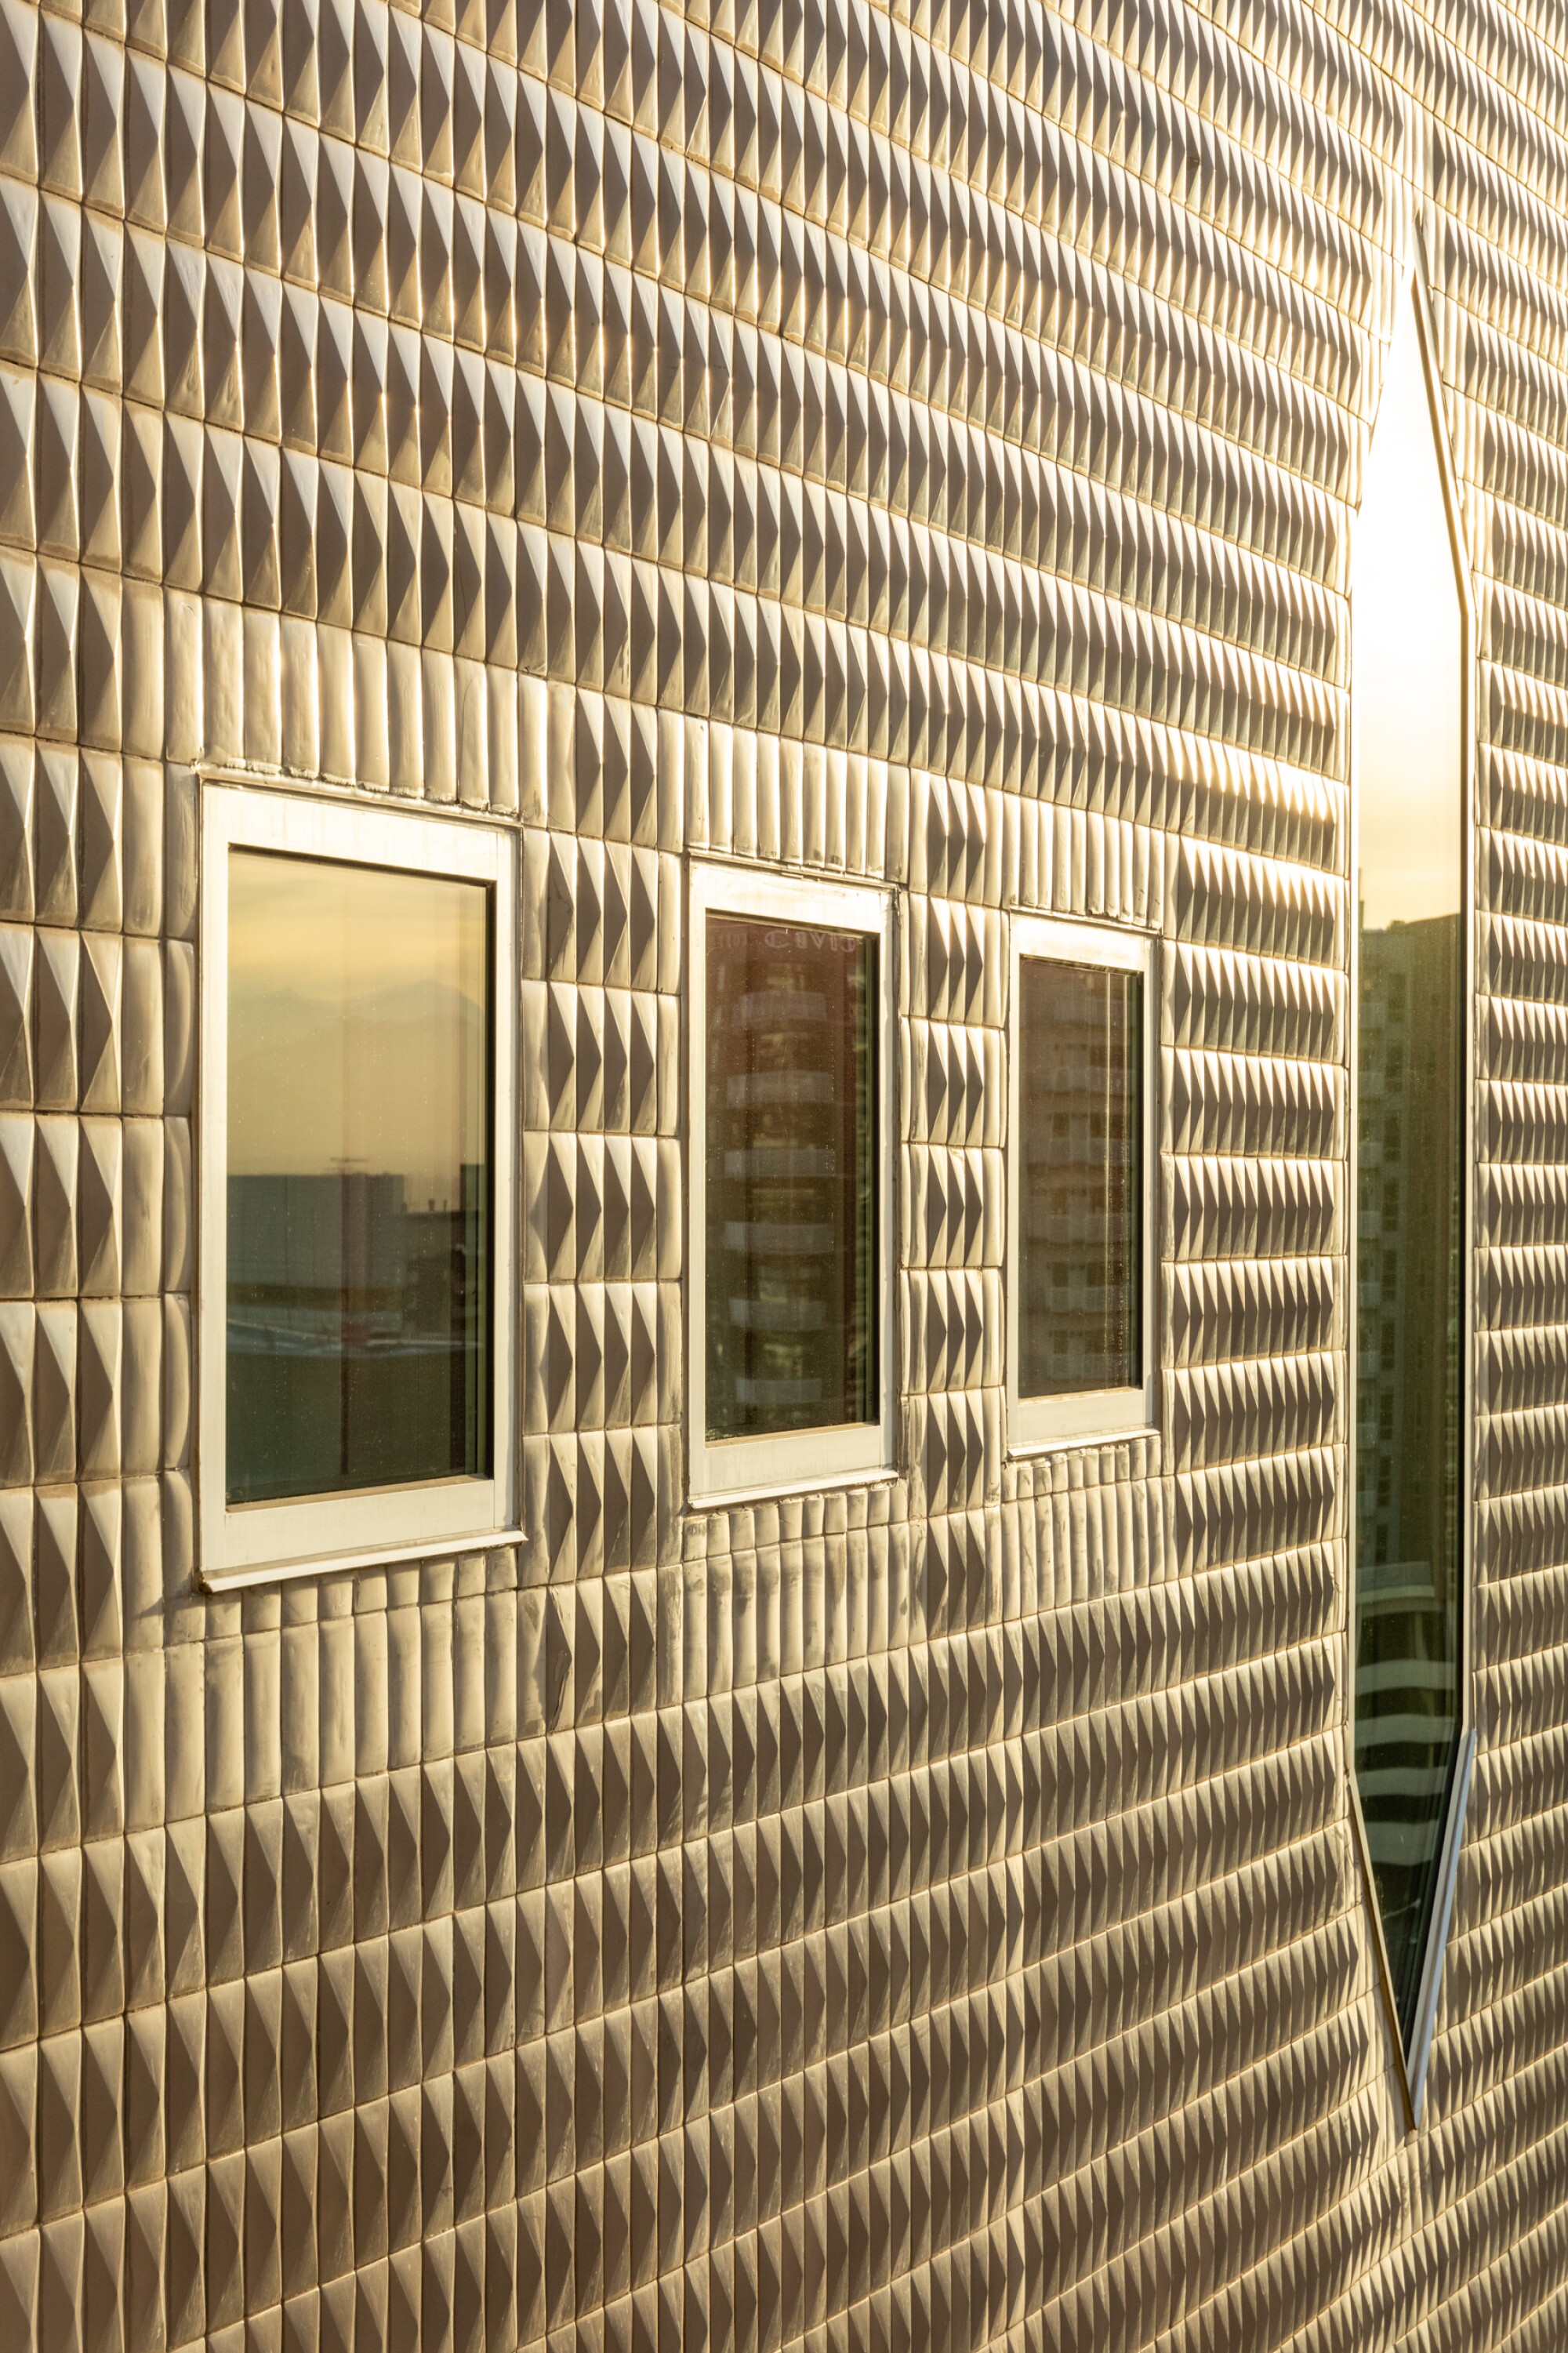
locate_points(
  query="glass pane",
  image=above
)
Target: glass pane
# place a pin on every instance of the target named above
(791, 1177)
(359, 1177)
(1407, 679)
(1079, 1177)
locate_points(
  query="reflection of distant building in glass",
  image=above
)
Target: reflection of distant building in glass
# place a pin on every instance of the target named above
(1078, 1088)
(790, 1182)
(1408, 1407)
(299, 1246)
(356, 1331)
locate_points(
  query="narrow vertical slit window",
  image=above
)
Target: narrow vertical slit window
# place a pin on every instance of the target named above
(356, 1233)
(1079, 1276)
(789, 1229)
(1410, 649)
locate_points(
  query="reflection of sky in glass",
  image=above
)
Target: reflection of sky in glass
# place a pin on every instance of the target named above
(357, 1020)
(1405, 705)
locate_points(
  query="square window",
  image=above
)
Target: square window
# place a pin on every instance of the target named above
(1080, 1258)
(356, 1231)
(790, 1227)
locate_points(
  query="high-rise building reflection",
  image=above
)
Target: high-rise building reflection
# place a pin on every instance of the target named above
(1408, 1389)
(1079, 1214)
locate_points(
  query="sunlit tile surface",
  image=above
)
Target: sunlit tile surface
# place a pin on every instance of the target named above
(922, 447)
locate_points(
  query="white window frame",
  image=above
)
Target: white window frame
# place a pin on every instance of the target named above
(1037, 1424)
(245, 1544)
(733, 1470)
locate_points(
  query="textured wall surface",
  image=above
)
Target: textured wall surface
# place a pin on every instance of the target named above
(915, 443)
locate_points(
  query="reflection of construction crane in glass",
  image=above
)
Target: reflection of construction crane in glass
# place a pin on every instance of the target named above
(791, 1176)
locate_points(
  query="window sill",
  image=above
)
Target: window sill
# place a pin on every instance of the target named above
(785, 1487)
(1113, 1425)
(236, 1580)
(1087, 1441)
(1084, 1418)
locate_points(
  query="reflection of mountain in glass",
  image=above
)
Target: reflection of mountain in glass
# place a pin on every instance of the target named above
(1408, 1389)
(412, 1051)
(358, 1178)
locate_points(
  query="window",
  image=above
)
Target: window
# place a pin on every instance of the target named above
(356, 1222)
(790, 1365)
(1409, 794)
(1080, 1258)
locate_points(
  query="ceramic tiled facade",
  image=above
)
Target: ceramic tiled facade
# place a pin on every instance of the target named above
(921, 444)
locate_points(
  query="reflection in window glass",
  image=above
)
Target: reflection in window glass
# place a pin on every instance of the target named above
(1407, 710)
(1080, 1118)
(359, 1177)
(791, 1180)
